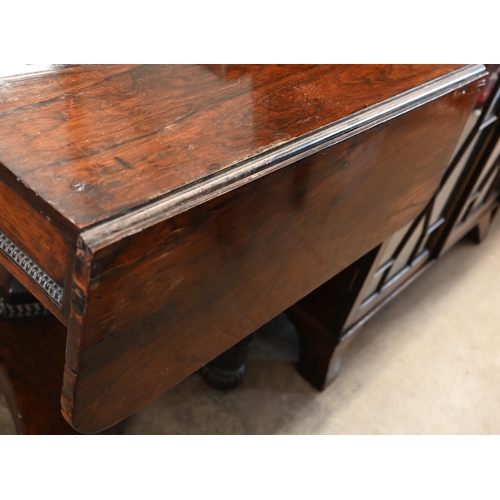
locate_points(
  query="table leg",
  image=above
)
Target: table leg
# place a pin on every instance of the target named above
(31, 369)
(32, 356)
(321, 321)
(480, 231)
(226, 371)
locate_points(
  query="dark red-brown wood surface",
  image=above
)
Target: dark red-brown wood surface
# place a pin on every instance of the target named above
(34, 233)
(91, 142)
(31, 369)
(86, 150)
(156, 305)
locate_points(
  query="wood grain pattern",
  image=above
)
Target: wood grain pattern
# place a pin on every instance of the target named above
(213, 274)
(31, 369)
(330, 317)
(47, 245)
(93, 142)
(41, 246)
(90, 145)
(188, 205)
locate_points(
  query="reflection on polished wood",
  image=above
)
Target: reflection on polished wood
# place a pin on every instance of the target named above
(179, 208)
(80, 136)
(330, 317)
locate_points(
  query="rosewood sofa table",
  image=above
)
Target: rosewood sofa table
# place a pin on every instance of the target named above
(161, 214)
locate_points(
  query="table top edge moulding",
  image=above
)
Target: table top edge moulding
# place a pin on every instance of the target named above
(52, 276)
(162, 290)
(277, 157)
(82, 125)
(163, 213)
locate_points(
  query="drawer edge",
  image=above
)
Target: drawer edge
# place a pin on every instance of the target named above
(31, 269)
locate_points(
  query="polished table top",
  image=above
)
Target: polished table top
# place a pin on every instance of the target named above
(95, 141)
(162, 213)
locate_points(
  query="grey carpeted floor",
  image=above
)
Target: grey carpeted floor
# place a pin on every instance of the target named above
(428, 363)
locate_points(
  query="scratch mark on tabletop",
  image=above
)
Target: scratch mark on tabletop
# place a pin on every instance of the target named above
(124, 163)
